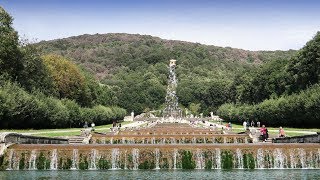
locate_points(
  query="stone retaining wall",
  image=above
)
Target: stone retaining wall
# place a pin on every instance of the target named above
(314, 138)
(25, 139)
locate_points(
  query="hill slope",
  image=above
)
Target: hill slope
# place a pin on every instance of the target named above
(136, 66)
(104, 53)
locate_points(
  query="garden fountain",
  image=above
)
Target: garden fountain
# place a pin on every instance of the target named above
(160, 146)
(172, 109)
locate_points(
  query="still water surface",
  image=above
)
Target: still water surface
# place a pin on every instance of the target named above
(165, 174)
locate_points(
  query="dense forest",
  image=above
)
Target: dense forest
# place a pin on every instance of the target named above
(102, 77)
(47, 91)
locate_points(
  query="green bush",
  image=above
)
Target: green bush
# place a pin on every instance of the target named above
(296, 110)
(187, 160)
(226, 160)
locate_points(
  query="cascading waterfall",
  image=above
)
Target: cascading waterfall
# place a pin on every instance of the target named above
(318, 159)
(310, 159)
(118, 158)
(239, 158)
(175, 153)
(115, 159)
(93, 155)
(218, 158)
(32, 160)
(260, 159)
(279, 159)
(11, 160)
(125, 159)
(293, 161)
(54, 160)
(199, 160)
(157, 155)
(75, 158)
(135, 158)
(302, 157)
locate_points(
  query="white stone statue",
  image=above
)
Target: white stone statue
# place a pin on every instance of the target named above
(132, 115)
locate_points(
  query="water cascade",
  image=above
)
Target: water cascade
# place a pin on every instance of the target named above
(157, 154)
(135, 158)
(93, 156)
(32, 160)
(218, 158)
(115, 159)
(75, 157)
(172, 109)
(239, 158)
(54, 160)
(199, 160)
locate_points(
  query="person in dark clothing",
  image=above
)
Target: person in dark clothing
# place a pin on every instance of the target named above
(85, 124)
(264, 133)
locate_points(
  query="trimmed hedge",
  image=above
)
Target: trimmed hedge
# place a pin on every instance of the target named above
(20, 109)
(296, 110)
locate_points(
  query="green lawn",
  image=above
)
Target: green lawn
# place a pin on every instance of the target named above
(277, 128)
(61, 132)
(273, 131)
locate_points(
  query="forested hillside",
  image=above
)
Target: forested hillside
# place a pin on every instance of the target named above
(47, 91)
(102, 77)
(136, 67)
(280, 92)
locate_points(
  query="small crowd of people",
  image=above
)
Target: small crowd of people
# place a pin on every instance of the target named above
(246, 124)
(86, 125)
(264, 134)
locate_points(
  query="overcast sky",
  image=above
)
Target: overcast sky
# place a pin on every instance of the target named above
(245, 24)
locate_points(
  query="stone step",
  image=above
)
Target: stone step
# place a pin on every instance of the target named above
(76, 140)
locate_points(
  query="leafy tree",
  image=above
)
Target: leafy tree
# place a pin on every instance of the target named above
(68, 80)
(10, 55)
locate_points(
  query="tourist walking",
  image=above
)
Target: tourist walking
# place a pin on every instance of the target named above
(92, 126)
(244, 125)
(252, 123)
(230, 125)
(85, 125)
(281, 132)
(264, 133)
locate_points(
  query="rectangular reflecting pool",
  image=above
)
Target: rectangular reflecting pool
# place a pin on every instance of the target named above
(165, 174)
